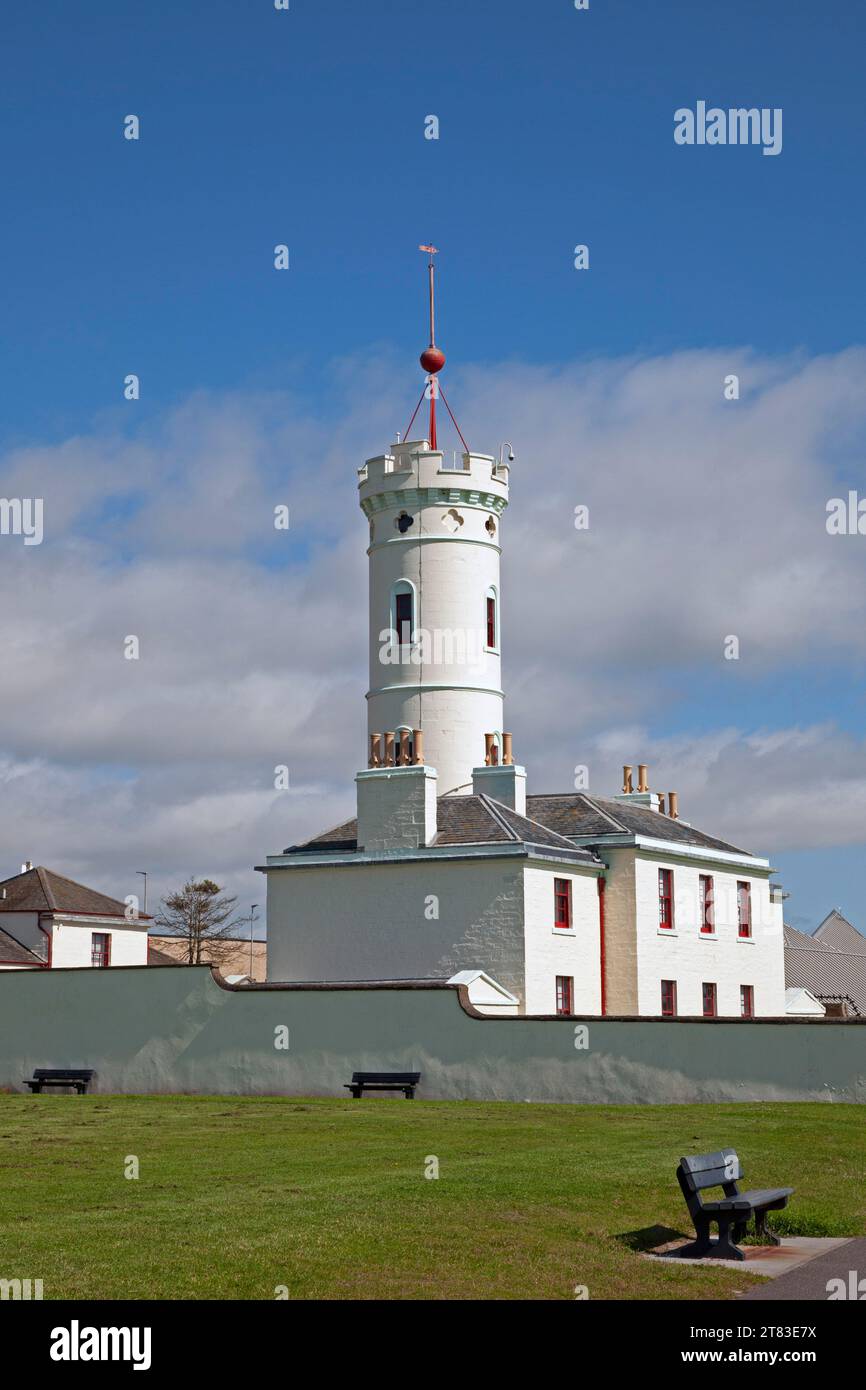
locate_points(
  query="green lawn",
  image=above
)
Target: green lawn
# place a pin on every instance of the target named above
(328, 1197)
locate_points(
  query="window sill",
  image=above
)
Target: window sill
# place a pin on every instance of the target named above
(708, 936)
(563, 931)
(746, 940)
(666, 931)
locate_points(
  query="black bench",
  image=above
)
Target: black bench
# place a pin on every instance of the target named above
(79, 1077)
(404, 1081)
(732, 1212)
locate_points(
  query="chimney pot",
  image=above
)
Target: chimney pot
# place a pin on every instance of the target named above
(673, 806)
(489, 744)
(662, 803)
(642, 780)
(404, 760)
(626, 778)
(389, 749)
(507, 753)
(418, 746)
(375, 751)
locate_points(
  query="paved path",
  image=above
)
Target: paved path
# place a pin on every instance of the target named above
(809, 1281)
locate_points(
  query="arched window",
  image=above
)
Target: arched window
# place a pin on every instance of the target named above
(403, 611)
(491, 619)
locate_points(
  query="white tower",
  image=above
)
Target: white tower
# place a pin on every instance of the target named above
(435, 607)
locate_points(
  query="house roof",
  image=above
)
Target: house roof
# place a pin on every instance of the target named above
(837, 931)
(595, 817)
(818, 964)
(13, 953)
(462, 820)
(42, 890)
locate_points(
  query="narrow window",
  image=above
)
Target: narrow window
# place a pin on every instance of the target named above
(744, 909)
(709, 992)
(669, 998)
(492, 620)
(564, 994)
(100, 948)
(562, 902)
(666, 910)
(747, 1001)
(403, 618)
(708, 924)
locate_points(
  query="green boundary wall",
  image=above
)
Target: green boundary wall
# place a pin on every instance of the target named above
(182, 1029)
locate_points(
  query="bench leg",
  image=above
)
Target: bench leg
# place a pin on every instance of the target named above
(356, 1092)
(762, 1230)
(699, 1247)
(725, 1250)
(409, 1093)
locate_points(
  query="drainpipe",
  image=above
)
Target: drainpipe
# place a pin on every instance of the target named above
(601, 886)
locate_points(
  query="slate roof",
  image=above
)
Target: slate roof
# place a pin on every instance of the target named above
(462, 820)
(42, 890)
(13, 953)
(577, 814)
(818, 964)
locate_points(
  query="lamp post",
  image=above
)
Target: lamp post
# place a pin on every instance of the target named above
(143, 873)
(253, 911)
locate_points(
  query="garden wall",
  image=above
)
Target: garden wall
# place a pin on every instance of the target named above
(179, 1029)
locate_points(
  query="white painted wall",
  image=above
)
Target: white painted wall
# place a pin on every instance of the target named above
(550, 951)
(690, 958)
(70, 942)
(374, 922)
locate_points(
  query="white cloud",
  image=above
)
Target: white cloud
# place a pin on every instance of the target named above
(707, 518)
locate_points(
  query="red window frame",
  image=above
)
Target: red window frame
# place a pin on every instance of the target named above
(562, 904)
(669, 998)
(100, 949)
(666, 899)
(747, 1001)
(744, 908)
(403, 618)
(710, 1000)
(708, 916)
(491, 621)
(565, 994)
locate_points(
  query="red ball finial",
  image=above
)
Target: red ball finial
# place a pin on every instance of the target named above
(432, 359)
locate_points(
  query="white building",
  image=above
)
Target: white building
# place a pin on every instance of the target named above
(572, 903)
(48, 921)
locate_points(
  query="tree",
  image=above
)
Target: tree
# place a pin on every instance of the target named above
(203, 917)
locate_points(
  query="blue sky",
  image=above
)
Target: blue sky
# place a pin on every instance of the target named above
(306, 127)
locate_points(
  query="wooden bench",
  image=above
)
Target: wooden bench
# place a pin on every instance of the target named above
(404, 1081)
(79, 1077)
(732, 1212)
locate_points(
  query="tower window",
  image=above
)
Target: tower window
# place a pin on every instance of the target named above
(492, 620)
(403, 618)
(403, 522)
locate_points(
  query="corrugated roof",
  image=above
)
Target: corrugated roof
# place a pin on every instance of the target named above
(836, 930)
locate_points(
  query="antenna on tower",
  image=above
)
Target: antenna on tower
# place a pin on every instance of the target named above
(433, 360)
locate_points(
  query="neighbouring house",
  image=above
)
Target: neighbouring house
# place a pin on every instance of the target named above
(830, 964)
(51, 922)
(571, 903)
(231, 958)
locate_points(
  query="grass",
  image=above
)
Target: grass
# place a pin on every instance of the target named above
(238, 1195)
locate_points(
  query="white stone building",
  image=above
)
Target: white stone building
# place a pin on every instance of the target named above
(51, 922)
(572, 903)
